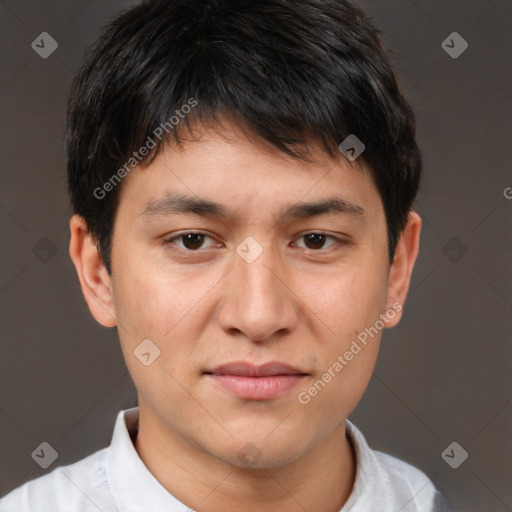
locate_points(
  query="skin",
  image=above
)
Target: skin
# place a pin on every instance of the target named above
(300, 302)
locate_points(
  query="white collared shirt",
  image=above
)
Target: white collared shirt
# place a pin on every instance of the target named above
(115, 479)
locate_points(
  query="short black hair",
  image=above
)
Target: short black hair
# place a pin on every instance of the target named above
(297, 73)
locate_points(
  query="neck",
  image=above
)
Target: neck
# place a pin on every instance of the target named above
(321, 479)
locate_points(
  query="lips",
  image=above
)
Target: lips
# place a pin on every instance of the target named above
(244, 369)
(255, 382)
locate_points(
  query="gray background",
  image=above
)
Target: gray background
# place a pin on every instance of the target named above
(443, 373)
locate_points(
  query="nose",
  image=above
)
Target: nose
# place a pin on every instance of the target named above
(258, 298)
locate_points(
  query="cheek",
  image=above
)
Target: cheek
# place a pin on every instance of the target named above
(165, 307)
(149, 300)
(348, 309)
(347, 305)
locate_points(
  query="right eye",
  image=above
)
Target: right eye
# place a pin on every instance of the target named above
(191, 240)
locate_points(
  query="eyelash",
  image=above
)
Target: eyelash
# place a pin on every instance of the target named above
(169, 241)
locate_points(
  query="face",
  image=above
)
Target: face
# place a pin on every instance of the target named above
(252, 278)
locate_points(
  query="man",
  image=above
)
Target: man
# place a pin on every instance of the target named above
(242, 176)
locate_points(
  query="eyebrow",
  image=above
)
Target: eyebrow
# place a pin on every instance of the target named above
(181, 204)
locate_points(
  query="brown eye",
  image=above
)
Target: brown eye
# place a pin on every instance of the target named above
(192, 240)
(189, 241)
(316, 241)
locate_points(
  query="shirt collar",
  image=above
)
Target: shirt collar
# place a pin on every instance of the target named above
(135, 488)
(365, 468)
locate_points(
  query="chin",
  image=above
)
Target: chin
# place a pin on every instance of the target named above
(263, 451)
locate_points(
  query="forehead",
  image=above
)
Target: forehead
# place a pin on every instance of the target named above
(226, 173)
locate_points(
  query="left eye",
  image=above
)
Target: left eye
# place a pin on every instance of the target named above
(317, 239)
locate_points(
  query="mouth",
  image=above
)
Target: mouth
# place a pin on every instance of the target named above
(256, 382)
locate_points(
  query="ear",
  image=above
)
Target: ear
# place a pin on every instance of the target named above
(94, 279)
(401, 269)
